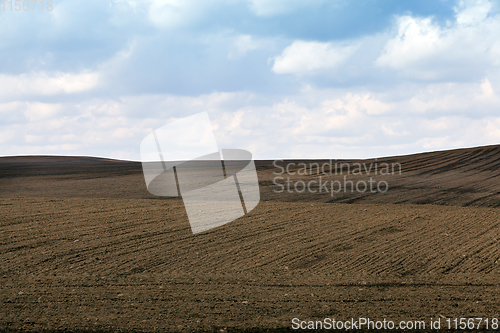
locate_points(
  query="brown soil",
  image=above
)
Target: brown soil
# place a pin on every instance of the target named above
(85, 247)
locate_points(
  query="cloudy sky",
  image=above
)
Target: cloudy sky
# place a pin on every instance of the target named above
(281, 78)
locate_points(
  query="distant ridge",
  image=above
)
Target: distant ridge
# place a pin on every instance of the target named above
(416, 157)
(458, 177)
(53, 159)
(29, 166)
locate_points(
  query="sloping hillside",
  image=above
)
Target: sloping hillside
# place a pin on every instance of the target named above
(84, 247)
(462, 177)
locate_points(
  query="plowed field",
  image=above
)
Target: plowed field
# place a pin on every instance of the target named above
(84, 247)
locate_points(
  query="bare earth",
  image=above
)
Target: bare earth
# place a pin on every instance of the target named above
(85, 247)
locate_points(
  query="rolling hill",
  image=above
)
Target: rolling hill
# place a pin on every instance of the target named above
(84, 246)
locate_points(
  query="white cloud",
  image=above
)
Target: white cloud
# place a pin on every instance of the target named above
(177, 13)
(424, 50)
(44, 84)
(66, 138)
(303, 57)
(343, 115)
(371, 106)
(391, 129)
(6, 135)
(33, 138)
(170, 14)
(437, 143)
(37, 111)
(472, 11)
(487, 89)
(244, 44)
(416, 39)
(10, 107)
(492, 130)
(123, 132)
(278, 7)
(475, 98)
(431, 103)
(236, 122)
(441, 124)
(333, 124)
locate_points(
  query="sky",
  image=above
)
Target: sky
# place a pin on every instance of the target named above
(280, 78)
